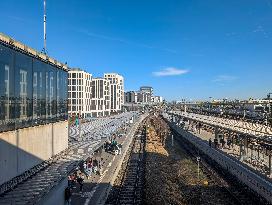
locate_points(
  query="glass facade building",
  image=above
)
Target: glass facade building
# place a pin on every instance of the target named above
(32, 92)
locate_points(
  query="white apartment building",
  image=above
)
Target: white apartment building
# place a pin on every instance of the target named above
(117, 91)
(157, 99)
(131, 97)
(144, 97)
(100, 102)
(79, 93)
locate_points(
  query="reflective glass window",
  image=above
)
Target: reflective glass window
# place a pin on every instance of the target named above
(31, 92)
(23, 90)
(7, 101)
(39, 92)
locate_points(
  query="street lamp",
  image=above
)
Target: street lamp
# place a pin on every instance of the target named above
(210, 104)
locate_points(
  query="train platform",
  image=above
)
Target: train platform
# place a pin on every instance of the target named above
(234, 151)
(97, 187)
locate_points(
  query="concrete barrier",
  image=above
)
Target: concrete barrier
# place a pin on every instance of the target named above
(22, 149)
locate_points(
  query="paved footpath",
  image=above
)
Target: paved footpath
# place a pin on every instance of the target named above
(97, 188)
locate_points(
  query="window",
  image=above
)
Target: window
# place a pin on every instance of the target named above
(73, 81)
(7, 121)
(31, 91)
(73, 94)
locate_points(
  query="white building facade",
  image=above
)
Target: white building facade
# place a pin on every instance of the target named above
(79, 93)
(117, 91)
(100, 101)
(131, 97)
(157, 99)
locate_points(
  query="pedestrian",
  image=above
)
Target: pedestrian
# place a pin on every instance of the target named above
(95, 165)
(120, 149)
(89, 169)
(67, 195)
(69, 181)
(99, 167)
(80, 180)
(73, 180)
(199, 127)
(84, 166)
(223, 143)
(215, 142)
(229, 142)
(210, 142)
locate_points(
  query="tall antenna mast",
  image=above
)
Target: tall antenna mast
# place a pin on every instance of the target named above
(44, 26)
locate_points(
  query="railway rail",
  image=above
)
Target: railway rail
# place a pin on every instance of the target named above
(130, 186)
(243, 184)
(131, 178)
(236, 193)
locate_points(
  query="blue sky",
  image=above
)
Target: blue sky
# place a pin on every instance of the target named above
(185, 49)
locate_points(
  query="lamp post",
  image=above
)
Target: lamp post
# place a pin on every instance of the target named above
(198, 159)
(210, 107)
(79, 124)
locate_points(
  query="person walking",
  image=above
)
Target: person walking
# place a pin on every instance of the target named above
(80, 181)
(95, 166)
(67, 195)
(210, 142)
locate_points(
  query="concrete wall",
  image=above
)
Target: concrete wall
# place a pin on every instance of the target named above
(24, 148)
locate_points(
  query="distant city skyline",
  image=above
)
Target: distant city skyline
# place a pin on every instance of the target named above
(183, 49)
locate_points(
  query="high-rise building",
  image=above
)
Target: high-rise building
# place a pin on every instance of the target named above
(146, 94)
(100, 101)
(144, 97)
(157, 99)
(117, 91)
(79, 93)
(131, 97)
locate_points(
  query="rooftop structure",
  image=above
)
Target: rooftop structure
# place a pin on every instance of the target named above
(147, 89)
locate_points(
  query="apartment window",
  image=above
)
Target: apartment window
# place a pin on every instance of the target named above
(73, 94)
(73, 81)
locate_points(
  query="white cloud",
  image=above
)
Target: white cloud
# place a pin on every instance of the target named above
(225, 78)
(170, 71)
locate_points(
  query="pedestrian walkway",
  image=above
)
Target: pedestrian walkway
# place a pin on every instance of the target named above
(97, 187)
(38, 184)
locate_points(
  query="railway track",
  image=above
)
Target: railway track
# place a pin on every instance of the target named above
(129, 188)
(236, 192)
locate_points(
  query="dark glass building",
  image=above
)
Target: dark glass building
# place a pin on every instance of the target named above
(33, 91)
